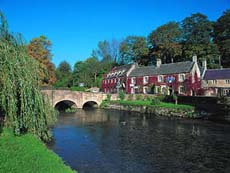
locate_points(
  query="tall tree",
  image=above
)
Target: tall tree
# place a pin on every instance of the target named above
(197, 35)
(23, 107)
(107, 51)
(134, 49)
(63, 75)
(222, 37)
(165, 42)
(90, 72)
(39, 49)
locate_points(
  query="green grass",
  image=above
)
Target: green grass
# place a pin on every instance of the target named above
(133, 102)
(27, 154)
(149, 103)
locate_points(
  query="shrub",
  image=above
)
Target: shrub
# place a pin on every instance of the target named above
(149, 98)
(76, 88)
(121, 95)
(108, 97)
(139, 97)
(130, 97)
(155, 101)
(104, 104)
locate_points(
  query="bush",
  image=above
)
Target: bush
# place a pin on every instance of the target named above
(155, 101)
(161, 97)
(104, 104)
(149, 98)
(130, 97)
(108, 97)
(76, 88)
(121, 95)
(139, 97)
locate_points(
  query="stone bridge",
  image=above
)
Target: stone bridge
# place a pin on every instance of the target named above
(76, 98)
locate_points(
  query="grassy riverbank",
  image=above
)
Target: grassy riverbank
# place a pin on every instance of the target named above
(28, 154)
(150, 103)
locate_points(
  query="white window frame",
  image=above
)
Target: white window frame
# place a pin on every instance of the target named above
(181, 86)
(145, 90)
(157, 88)
(181, 77)
(160, 78)
(227, 81)
(214, 81)
(145, 79)
(133, 80)
(132, 90)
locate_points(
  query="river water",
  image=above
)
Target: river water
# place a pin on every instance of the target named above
(109, 141)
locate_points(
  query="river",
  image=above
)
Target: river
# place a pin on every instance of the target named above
(110, 141)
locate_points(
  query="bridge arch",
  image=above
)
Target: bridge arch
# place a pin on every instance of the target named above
(63, 104)
(90, 104)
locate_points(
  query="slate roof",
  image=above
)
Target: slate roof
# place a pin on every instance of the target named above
(123, 69)
(213, 74)
(172, 68)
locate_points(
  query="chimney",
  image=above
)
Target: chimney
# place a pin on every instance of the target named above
(194, 58)
(158, 62)
(204, 64)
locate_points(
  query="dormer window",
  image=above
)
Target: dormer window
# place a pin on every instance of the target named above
(160, 78)
(145, 79)
(181, 77)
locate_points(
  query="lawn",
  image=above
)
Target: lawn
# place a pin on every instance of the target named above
(27, 154)
(150, 104)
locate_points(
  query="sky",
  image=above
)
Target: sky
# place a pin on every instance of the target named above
(76, 26)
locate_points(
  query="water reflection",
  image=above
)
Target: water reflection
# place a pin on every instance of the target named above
(121, 142)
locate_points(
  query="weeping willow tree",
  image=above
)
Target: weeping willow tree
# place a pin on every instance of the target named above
(21, 103)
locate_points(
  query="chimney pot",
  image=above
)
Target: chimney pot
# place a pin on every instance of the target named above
(194, 58)
(158, 62)
(204, 64)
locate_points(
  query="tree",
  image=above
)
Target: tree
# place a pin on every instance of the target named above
(133, 49)
(197, 37)
(87, 72)
(23, 107)
(222, 37)
(63, 75)
(165, 42)
(107, 51)
(39, 49)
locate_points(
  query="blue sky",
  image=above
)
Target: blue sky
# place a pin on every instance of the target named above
(76, 26)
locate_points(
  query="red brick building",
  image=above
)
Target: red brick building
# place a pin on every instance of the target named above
(182, 78)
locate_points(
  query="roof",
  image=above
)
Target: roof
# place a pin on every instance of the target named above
(119, 71)
(172, 68)
(213, 74)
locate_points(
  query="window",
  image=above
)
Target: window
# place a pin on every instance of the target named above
(226, 92)
(181, 90)
(145, 90)
(145, 79)
(133, 80)
(214, 81)
(132, 90)
(164, 90)
(160, 78)
(181, 77)
(227, 81)
(157, 89)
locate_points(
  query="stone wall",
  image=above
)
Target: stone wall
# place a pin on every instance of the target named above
(170, 112)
